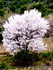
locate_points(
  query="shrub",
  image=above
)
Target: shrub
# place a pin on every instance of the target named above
(1, 4)
(2, 12)
(45, 13)
(23, 8)
(37, 57)
(1, 29)
(47, 55)
(13, 8)
(7, 10)
(50, 6)
(50, 11)
(3, 66)
(33, 6)
(23, 58)
(26, 58)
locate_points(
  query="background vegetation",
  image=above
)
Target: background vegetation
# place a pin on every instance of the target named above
(18, 6)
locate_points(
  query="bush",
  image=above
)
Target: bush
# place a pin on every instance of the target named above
(40, 6)
(45, 13)
(50, 6)
(1, 29)
(23, 58)
(1, 4)
(37, 57)
(2, 12)
(47, 55)
(23, 8)
(7, 10)
(33, 6)
(50, 11)
(26, 58)
(3, 66)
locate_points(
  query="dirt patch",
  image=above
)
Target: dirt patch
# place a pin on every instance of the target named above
(49, 42)
(2, 48)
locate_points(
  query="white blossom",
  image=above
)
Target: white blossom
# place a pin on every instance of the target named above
(26, 30)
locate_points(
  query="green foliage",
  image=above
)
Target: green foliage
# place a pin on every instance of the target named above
(33, 6)
(7, 10)
(3, 65)
(23, 8)
(50, 6)
(47, 55)
(46, 2)
(1, 4)
(36, 57)
(45, 13)
(23, 58)
(50, 11)
(1, 29)
(2, 12)
(40, 6)
(12, 7)
(19, 6)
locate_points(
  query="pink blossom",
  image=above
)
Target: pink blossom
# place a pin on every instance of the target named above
(26, 30)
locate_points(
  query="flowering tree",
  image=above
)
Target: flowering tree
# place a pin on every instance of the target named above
(25, 32)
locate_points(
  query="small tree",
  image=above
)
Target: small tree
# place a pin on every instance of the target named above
(25, 32)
